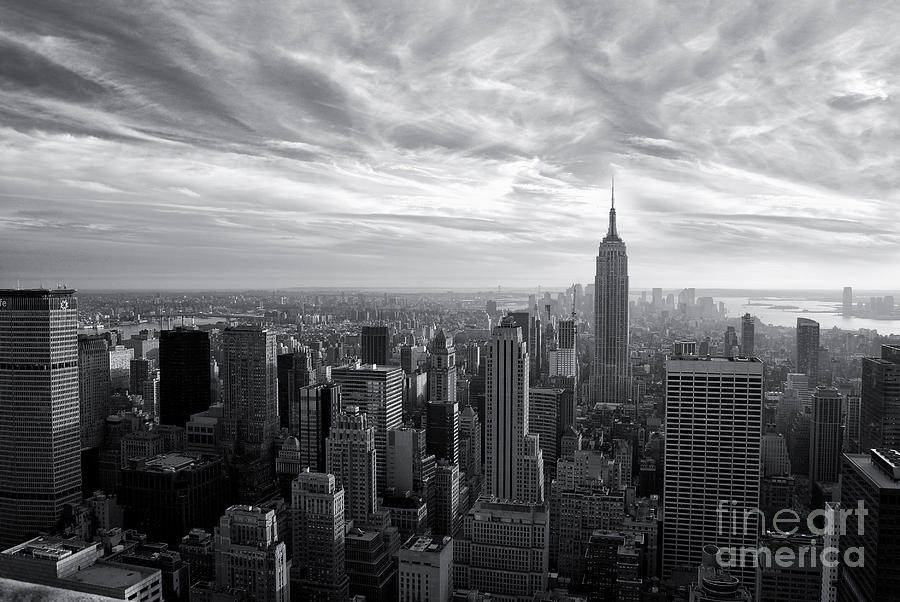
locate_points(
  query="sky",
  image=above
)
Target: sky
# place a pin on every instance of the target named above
(448, 143)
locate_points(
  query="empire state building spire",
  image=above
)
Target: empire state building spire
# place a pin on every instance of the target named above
(611, 233)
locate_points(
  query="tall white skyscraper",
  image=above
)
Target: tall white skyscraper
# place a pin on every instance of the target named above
(40, 440)
(712, 458)
(351, 458)
(513, 458)
(610, 382)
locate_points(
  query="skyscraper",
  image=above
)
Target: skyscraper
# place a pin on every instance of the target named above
(442, 375)
(563, 360)
(378, 391)
(318, 570)
(40, 441)
(469, 442)
(880, 400)
(311, 418)
(808, 350)
(442, 430)
(870, 482)
(351, 458)
(250, 379)
(730, 341)
(847, 305)
(184, 374)
(825, 436)
(747, 335)
(712, 458)
(513, 459)
(251, 556)
(93, 387)
(375, 345)
(610, 372)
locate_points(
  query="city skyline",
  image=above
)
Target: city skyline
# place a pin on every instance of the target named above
(136, 143)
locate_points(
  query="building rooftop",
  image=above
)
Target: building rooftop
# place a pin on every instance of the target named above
(172, 462)
(35, 292)
(881, 467)
(111, 575)
(715, 358)
(426, 543)
(49, 548)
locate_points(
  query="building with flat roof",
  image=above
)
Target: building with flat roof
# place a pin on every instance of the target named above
(74, 565)
(168, 495)
(871, 481)
(426, 569)
(40, 435)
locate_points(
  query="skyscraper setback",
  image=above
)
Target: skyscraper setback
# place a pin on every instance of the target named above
(610, 382)
(40, 441)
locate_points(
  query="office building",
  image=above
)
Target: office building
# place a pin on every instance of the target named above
(530, 325)
(545, 408)
(375, 345)
(808, 350)
(442, 430)
(613, 567)
(426, 569)
(40, 438)
(789, 579)
(311, 420)
(443, 513)
(870, 481)
(825, 436)
(469, 442)
(351, 458)
(513, 460)
(371, 559)
(76, 566)
(748, 335)
(712, 457)
(442, 374)
(409, 512)
(250, 555)
(409, 465)
(503, 549)
(730, 343)
(250, 385)
(563, 359)
(166, 496)
(318, 573)
(880, 400)
(847, 305)
(184, 374)
(120, 367)
(294, 372)
(93, 387)
(378, 391)
(198, 550)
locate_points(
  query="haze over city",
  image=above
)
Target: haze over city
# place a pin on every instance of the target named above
(440, 145)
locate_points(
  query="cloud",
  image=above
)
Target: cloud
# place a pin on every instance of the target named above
(457, 144)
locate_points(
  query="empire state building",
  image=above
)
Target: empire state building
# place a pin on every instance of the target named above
(610, 382)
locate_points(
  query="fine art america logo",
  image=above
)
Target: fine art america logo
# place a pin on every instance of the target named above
(828, 524)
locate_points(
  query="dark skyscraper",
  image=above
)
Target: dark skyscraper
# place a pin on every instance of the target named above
(40, 442)
(825, 436)
(93, 386)
(610, 373)
(184, 374)
(748, 335)
(375, 345)
(880, 400)
(442, 430)
(808, 349)
(311, 419)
